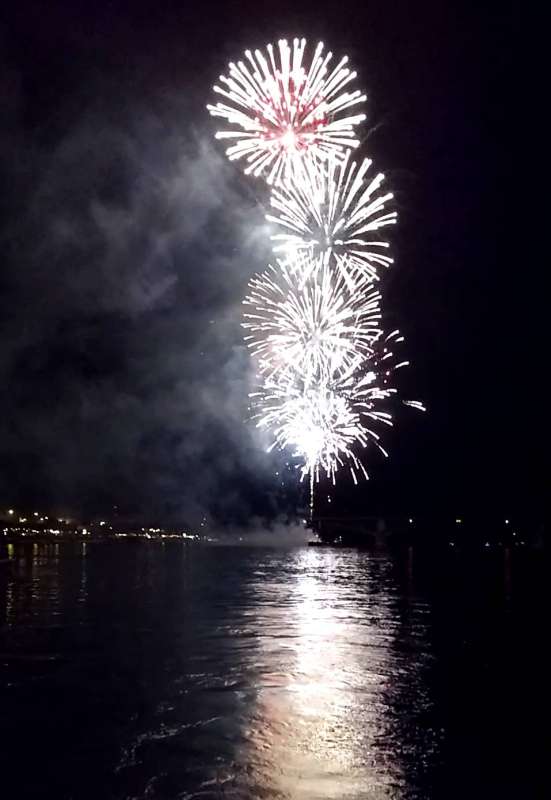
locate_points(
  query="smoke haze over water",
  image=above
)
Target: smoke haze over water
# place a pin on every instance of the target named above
(128, 243)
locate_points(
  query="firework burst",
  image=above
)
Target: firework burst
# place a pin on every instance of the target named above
(326, 423)
(319, 426)
(282, 110)
(334, 210)
(317, 327)
(325, 369)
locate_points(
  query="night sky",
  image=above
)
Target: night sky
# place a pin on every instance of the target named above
(128, 239)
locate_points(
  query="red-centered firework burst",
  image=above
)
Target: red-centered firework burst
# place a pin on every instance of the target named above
(280, 110)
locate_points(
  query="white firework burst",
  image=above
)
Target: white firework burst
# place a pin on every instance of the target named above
(334, 211)
(328, 425)
(318, 327)
(282, 110)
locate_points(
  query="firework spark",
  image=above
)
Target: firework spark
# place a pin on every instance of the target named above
(282, 111)
(334, 210)
(318, 327)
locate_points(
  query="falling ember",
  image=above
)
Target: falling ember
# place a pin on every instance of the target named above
(282, 109)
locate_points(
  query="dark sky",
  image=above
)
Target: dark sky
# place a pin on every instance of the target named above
(127, 242)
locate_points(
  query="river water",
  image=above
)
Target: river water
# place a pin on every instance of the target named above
(176, 671)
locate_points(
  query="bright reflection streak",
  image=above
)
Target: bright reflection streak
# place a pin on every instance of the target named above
(321, 723)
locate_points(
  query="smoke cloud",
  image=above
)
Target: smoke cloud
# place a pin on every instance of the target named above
(128, 242)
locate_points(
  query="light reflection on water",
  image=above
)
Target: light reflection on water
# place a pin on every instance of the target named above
(323, 718)
(307, 674)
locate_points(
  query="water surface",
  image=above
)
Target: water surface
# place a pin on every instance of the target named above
(175, 671)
